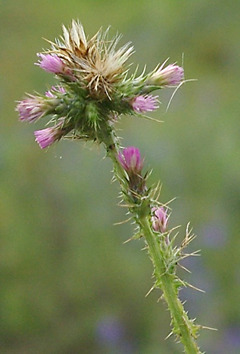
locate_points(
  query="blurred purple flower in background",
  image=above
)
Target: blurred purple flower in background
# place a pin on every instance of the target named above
(231, 338)
(111, 335)
(214, 234)
(228, 341)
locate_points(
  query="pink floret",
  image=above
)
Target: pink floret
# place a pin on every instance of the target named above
(30, 109)
(45, 137)
(51, 63)
(130, 160)
(172, 75)
(159, 219)
(147, 103)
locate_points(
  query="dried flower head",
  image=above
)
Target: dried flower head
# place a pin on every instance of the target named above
(95, 62)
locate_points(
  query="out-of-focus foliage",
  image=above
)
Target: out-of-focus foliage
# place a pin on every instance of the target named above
(68, 284)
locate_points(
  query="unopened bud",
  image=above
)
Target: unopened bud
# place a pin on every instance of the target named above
(159, 219)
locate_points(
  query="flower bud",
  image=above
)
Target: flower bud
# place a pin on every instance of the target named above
(46, 137)
(131, 161)
(92, 114)
(51, 63)
(159, 219)
(172, 75)
(142, 104)
(31, 108)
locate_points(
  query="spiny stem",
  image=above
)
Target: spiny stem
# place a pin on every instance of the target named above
(183, 327)
(181, 321)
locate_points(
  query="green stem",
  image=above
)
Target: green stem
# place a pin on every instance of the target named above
(182, 323)
(183, 327)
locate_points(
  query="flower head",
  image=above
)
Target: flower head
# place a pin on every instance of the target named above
(46, 137)
(95, 61)
(31, 109)
(159, 219)
(147, 103)
(51, 63)
(172, 75)
(131, 161)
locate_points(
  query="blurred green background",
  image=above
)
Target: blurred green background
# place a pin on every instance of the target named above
(68, 284)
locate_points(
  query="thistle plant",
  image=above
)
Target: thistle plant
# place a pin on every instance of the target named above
(94, 89)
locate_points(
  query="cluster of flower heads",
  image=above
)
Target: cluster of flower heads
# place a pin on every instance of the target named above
(94, 87)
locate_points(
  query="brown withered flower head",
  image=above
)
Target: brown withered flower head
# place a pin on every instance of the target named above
(94, 61)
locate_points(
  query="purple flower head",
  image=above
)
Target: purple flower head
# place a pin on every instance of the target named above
(130, 159)
(31, 109)
(172, 75)
(51, 63)
(147, 103)
(48, 136)
(55, 89)
(159, 219)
